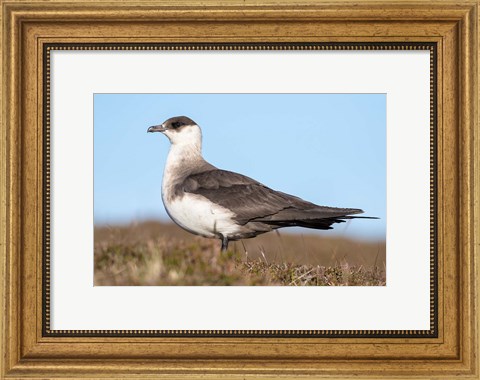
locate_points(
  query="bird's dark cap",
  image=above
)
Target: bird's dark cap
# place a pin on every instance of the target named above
(178, 121)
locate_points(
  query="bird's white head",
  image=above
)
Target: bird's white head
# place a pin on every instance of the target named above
(180, 130)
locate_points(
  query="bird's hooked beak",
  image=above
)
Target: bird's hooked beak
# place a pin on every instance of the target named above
(157, 128)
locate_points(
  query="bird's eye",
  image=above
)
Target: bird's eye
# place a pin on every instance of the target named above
(176, 124)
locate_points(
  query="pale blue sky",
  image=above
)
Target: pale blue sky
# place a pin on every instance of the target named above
(329, 149)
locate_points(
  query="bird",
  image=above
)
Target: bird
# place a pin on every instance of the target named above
(225, 205)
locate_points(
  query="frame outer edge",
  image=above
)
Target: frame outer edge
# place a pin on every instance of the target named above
(165, 10)
(9, 184)
(10, 188)
(475, 182)
(3, 195)
(468, 139)
(476, 195)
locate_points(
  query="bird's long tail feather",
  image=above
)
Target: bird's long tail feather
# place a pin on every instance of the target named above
(318, 224)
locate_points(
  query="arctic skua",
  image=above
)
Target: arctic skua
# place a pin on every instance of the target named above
(215, 203)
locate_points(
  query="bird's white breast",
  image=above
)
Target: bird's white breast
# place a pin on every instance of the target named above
(200, 216)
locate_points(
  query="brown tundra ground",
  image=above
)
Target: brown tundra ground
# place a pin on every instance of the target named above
(153, 253)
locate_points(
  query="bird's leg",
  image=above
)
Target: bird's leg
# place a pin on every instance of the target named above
(224, 243)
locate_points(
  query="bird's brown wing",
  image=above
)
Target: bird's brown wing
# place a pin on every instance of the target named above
(249, 200)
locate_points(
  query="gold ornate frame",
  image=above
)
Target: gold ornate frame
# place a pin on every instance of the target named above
(28, 27)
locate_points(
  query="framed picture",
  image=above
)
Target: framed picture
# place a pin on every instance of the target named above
(307, 207)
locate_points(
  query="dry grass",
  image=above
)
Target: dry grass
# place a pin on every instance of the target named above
(153, 253)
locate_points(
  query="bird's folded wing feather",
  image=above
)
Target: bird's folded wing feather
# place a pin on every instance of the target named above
(250, 200)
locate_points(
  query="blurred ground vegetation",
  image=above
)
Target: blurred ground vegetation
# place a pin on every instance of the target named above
(153, 253)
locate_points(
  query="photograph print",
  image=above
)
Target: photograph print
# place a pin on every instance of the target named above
(240, 189)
